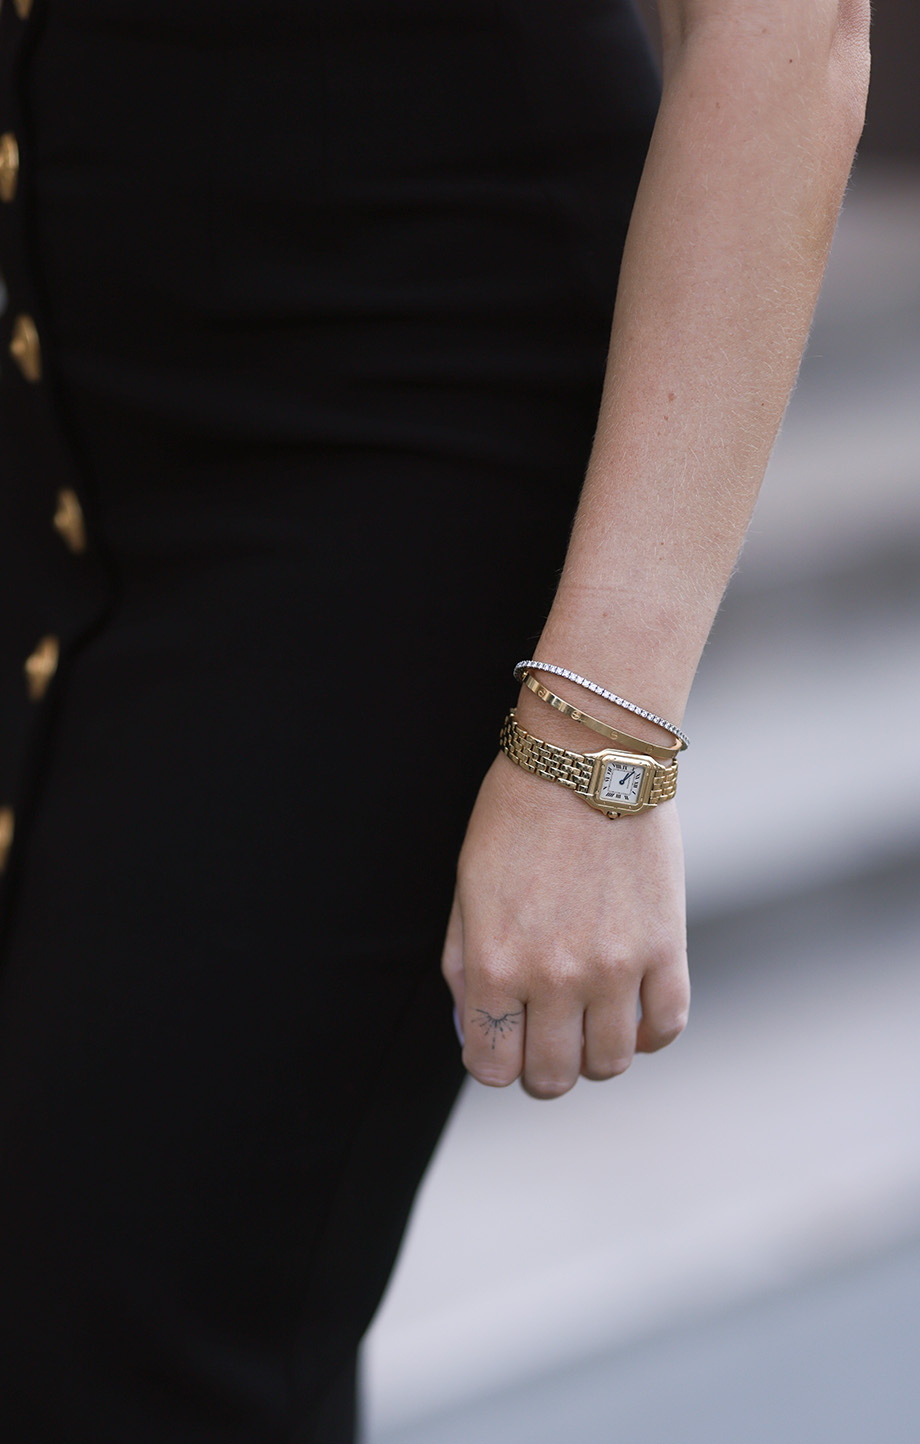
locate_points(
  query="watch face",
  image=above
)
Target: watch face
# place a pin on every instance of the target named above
(621, 782)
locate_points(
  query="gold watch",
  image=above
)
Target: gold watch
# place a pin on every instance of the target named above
(617, 783)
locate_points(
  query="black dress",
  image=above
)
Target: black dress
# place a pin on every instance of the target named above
(307, 305)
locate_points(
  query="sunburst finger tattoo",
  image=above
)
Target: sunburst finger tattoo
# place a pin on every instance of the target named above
(494, 1026)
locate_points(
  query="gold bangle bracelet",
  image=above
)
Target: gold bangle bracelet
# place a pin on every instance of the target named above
(622, 739)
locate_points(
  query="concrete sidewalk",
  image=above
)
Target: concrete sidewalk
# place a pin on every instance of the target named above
(832, 1362)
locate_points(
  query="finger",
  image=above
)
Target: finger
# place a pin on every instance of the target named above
(665, 997)
(553, 1047)
(493, 1024)
(452, 958)
(610, 1034)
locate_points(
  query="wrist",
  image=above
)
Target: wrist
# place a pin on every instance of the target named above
(630, 641)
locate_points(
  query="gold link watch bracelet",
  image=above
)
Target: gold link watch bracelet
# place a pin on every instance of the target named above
(616, 783)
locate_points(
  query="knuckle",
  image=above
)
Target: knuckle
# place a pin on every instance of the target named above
(490, 1075)
(665, 1029)
(664, 945)
(616, 967)
(673, 1026)
(496, 977)
(599, 1070)
(548, 1088)
(559, 978)
(672, 1030)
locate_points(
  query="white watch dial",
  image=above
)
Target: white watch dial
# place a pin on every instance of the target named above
(621, 782)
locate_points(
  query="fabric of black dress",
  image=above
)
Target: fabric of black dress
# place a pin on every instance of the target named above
(306, 314)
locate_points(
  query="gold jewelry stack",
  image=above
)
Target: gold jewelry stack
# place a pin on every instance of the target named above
(616, 781)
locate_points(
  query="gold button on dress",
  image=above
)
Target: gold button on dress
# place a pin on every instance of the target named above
(25, 348)
(9, 166)
(7, 822)
(68, 520)
(41, 666)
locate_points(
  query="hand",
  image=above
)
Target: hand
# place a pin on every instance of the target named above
(563, 922)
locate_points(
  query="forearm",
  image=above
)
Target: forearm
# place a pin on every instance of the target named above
(761, 110)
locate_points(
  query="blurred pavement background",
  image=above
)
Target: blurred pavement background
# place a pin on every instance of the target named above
(723, 1246)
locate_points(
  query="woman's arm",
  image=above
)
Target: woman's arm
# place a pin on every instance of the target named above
(563, 919)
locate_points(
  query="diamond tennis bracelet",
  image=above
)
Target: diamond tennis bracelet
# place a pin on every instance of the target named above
(601, 692)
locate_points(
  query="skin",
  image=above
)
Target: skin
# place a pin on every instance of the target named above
(560, 915)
